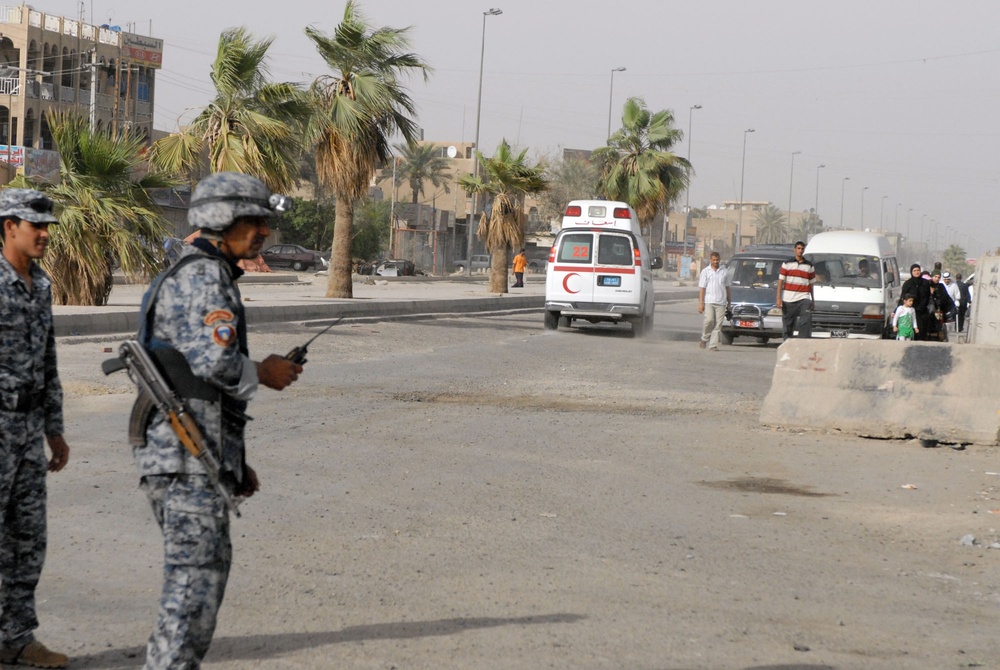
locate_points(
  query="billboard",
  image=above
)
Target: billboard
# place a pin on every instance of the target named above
(143, 50)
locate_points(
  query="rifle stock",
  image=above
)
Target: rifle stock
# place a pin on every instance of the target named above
(144, 372)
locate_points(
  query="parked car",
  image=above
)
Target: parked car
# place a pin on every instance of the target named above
(395, 268)
(291, 256)
(481, 262)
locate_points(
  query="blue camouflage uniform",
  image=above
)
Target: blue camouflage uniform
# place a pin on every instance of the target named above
(197, 310)
(30, 408)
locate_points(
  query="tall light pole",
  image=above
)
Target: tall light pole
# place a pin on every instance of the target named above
(909, 250)
(687, 191)
(743, 167)
(881, 215)
(475, 163)
(895, 219)
(816, 207)
(791, 176)
(611, 96)
(843, 183)
(922, 243)
(863, 189)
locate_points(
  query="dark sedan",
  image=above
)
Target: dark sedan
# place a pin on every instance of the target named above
(290, 256)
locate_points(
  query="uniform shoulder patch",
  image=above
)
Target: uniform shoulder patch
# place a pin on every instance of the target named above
(218, 315)
(223, 334)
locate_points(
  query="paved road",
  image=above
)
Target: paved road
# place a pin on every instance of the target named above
(482, 493)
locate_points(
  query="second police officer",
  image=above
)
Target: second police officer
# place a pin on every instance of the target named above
(193, 312)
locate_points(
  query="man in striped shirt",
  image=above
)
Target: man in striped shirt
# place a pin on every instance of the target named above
(795, 294)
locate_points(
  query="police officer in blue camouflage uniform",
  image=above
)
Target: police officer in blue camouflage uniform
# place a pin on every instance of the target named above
(194, 308)
(30, 408)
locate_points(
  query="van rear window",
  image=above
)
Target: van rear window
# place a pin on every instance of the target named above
(615, 250)
(576, 248)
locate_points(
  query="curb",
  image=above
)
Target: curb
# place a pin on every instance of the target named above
(119, 323)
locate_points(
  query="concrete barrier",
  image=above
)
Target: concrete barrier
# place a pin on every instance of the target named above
(887, 389)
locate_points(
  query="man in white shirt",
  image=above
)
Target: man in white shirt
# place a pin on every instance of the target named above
(956, 296)
(713, 300)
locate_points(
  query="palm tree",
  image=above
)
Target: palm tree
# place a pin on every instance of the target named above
(771, 228)
(251, 126)
(638, 166)
(569, 179)
(359, 108)
(107, 214)
(954, 258)
(506, 180)
(419, 164)
(807, 227)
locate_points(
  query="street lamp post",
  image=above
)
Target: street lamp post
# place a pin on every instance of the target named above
(687, 191)
(816, 207)
(863, 189)
(611, 96)
(843, 183)
(475, 163)
(743, 166)
(881, 215)
(895, 219)
(909, 249)
(791, 177)
(923, 245)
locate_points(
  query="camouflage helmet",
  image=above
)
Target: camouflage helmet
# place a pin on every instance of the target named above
(26, 204)
(222, 197)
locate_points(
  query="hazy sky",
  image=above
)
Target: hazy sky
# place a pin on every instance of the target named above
(898, 95)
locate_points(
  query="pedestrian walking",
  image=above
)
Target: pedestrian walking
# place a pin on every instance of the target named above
(30, 415)
(951, 286)
(193, 315)
(795, 294)
(713, 301)
(904, 319)
(964, 300)
(920, 288)
(520, 263)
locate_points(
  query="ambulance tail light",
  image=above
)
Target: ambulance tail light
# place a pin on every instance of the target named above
(622, 213)
(635, 253)
(574, 210)
(552, 254)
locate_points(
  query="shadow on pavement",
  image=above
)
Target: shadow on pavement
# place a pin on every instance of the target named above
(259, 647)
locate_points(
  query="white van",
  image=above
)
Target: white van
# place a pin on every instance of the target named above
(857, 284)
(599, 268)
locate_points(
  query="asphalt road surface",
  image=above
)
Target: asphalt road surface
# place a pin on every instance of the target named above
(482, 493)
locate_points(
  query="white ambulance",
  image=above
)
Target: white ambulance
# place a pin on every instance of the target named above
(599, 268)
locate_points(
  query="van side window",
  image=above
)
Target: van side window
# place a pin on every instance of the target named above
(576, 248)
(614, 250)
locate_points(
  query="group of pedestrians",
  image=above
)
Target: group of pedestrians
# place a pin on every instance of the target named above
(194, 311)
(930, 302)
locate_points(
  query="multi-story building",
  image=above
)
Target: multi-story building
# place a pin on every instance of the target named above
(52, 64)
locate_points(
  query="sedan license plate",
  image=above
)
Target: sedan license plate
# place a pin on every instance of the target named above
(746, 324)
(838, 333)
(605, 280)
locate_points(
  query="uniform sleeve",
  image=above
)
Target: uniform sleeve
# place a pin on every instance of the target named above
(197, 314)
(53, 387)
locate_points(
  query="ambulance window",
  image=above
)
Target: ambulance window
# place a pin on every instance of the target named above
(597, 211)
(615, 250)
(575, 248)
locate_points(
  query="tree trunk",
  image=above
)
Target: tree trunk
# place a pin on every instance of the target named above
(499, 266)
(340, 283)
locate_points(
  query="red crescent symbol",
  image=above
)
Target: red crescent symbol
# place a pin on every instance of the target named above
(566, 282)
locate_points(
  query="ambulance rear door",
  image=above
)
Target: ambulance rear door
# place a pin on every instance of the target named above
(570, 276)
(617, 270)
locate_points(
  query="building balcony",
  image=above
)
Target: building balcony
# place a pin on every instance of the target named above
(10, 86)
(67, 94)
